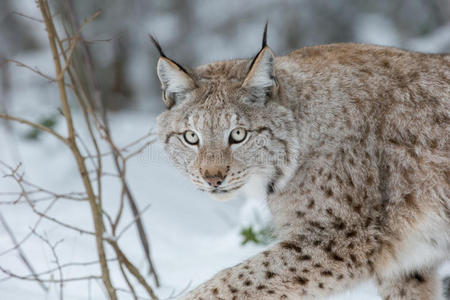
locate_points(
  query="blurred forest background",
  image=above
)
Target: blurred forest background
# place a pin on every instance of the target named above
(200, 31)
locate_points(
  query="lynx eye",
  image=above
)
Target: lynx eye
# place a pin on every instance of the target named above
(237, 135)
(191, 137)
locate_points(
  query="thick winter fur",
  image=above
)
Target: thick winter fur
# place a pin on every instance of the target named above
(350, 143)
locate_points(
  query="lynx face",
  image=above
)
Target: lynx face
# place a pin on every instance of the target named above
(220, 138)
(223, 129)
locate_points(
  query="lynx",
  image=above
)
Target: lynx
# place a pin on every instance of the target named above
(349, 144)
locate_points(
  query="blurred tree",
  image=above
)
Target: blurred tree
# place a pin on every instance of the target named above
(14, 33)
(200, 31)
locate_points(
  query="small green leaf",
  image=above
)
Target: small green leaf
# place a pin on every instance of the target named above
(49, 122)
(260, 237)
(249, 235)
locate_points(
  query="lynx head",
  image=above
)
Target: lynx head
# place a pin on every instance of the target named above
(225, 125)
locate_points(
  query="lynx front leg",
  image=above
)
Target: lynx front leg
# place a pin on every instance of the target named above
(289, 270)
(423, 285)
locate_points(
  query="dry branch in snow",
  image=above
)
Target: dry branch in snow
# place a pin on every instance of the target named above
(76, 78)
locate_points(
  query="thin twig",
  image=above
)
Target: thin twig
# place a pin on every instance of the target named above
(52, 247)
(27, 17)
(130, 286)
(70, 265)
(19, 180)
(75, 39)
(52, 280)
(132, 268)
(34, 70)
(35, 125)
(22, 65)
(21, 253)
(24, 239)
(136, 218)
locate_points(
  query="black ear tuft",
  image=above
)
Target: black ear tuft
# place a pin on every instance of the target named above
(264, 41)
(162, 54)
(264, 44)
(157, 45)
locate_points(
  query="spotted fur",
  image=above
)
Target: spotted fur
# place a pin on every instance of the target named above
(349, 144)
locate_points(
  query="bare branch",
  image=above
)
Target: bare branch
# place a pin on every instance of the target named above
(55, 256)
(21, 253)
(132, 268)
(132, 222)
(74, 43)
(63, 54)
(71, 143)
(35, 125)
(53, 280)
(70, 265)
(19, 180)
(27, 17)
(34, 70)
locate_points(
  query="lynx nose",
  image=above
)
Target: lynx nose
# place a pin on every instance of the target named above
(214, 176)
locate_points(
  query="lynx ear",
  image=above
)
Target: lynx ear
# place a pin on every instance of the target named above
(260, 79)
(261, 73)
(175, 80)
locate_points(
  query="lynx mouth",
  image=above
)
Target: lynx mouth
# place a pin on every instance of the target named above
(224, 190)
(224, 194)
